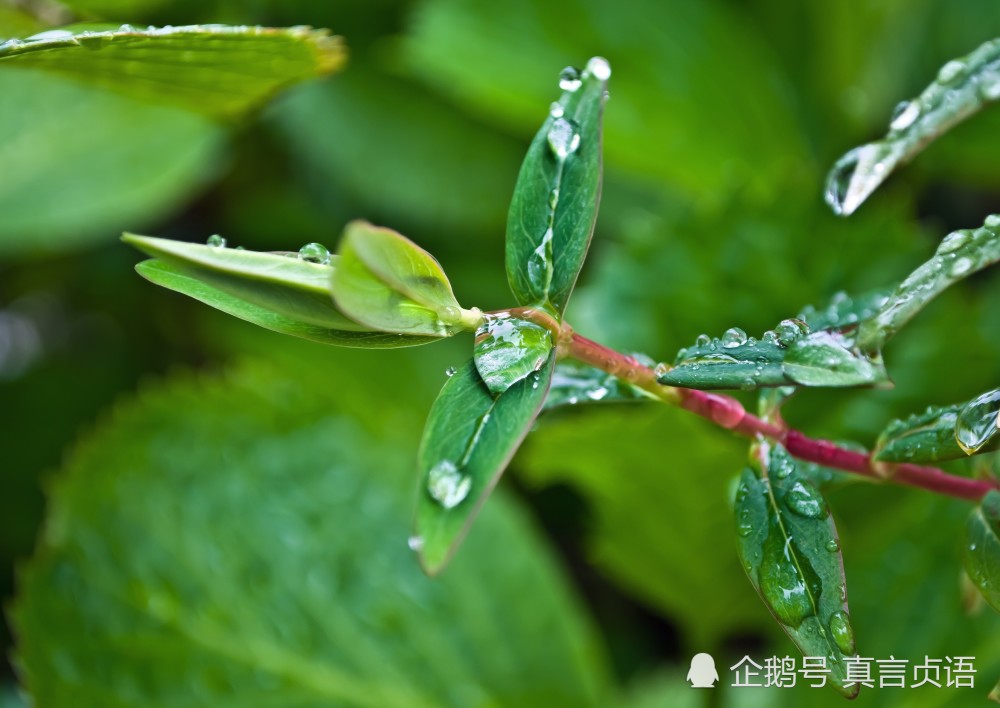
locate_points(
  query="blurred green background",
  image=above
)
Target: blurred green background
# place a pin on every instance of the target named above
(722, 121)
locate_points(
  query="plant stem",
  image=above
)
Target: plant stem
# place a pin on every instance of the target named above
(729, 413)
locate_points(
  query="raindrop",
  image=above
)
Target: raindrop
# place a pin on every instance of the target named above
(904, 115)
(769, 337)
(126, 28)
(951, 71)
(783, 582)
(540, 261)
(599, 68)
(564, 138)
(315, 253)
(569, 79)
(556, 110)
(832, 545)
(450, 371)
(977, 422)
(416, 543)
(744, 529)
(839, 181)
(216, 241)
(781, 466)
(790, 331)
(703, 340)
(450, 314)
(961, 266)
(447, 485)
(804, 500)
(953, 241)
(661, 370)
(734, 337)
(992, 221)
(553, 198)
(843, 634)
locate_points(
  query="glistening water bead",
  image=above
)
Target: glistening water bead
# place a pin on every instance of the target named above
(977, 423)
(315, 253)
(447, 485)
(569, 79)
(564, 138)
(216, 241)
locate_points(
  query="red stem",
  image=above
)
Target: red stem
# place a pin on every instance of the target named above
(729, 413)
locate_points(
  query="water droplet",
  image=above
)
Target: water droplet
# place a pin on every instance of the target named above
(553, 198)
(661, 370)
(416, 543)
(216, 241)
(447, 485)
(785, 583)
(992, 221)
(951, 71)
(781, 466)
(569, 79)
(804, 500)
(450, 371)
(315, 253)
(904, 115)
(832, 545)
(953, 241)
(599, 68)
(734, 337)
(790, 331)
(556, 110)
(126, 28)
(989, 85)
(450, 314)
(540, 262)
(977, 422)
(703, 340)
(972, 546)
(961, 266)
(843, 634)
(744, 529)
(564, 138)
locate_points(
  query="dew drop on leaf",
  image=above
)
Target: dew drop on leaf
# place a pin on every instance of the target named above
(842, 632)
(447, 485)
(450, 371)
(790, 331)
(977, 422)
(992, 221)
(703, 340)
(832, 545)
(953, 241)
(786, 580)
(961, 266)
(904, 115)
(415, 543)
(216, 241)
(564, 138)
(599, 68)
(804, 500)
(556, 109)
(951, 71)
(315, 253)
(734, 337)
(569, 79)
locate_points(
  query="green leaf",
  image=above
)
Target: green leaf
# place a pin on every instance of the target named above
(469, 439)
(844, 311)
(574, 383)
(831, 359)
(978, 423)
(788, 544)
(962, 87)
(114, 162)
(923, 437)
(981, 553)
(183, 281)
(554, 207)
(387, 282)
(214, 69)
(507, 349)
(960, 254)
(242, 542)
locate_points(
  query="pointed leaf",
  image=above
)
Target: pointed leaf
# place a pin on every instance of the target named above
(843, 310)
(387, 282)
(981, 554)
(923, 437)
(469, 438)
(574, 383)
(183, 281)
(830, 359)
(214, 69)
(959, 255)
(788, 544)
(509, 348)
(555, 200)
(962, 87)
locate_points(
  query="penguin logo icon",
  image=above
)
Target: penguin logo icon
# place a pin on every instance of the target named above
(702, 673)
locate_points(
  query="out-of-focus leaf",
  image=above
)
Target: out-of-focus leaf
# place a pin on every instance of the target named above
(267, 565)
(181, 280)
(681, 68)
(214, 69)
(554, 207)
(962, 87)
(387, 282)
(982, 548)
(81, 164)
(788, 544)
(469, 438)
(574, 383)
(507, 349)
(960, 254)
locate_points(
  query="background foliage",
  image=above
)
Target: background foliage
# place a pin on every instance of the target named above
(722, 121)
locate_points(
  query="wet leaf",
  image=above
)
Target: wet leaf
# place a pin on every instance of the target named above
(387, 282)
(469, 438)
(830, 359)
(575, 383)
(843, 310)
(788, 544)
(507, 349)
(960, 254)
(962, 87)
(923, 437)
(183, 281)
(215, 69)
(554, 207)
(978, 423)
(981, 554)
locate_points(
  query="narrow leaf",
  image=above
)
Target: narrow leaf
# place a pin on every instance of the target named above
(554, 207)
(182, 280)
(469, 438)
(574, 383)
(959, 255)
(981, 554)
(962, 87)
(843, 310)
(923, 437)
(830, 359)
(387, 282)
(215, 69)
(509, 348)
(788, 544)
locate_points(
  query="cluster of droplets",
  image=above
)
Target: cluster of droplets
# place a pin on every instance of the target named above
(901, 439)
(784, 335)
(978, 422)
(447, 485)
(310, 253)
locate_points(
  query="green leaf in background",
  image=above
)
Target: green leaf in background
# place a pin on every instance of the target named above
(575, 383)
(507, 349)
(182, 281)
(214, 69)
(266, 565)
(469, 438)
(962, 87)
(788, 544)
(981, 553)
(554, 207)
(960, 254)
(387, 282)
